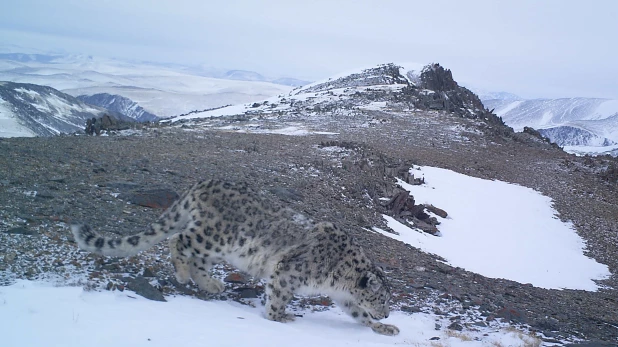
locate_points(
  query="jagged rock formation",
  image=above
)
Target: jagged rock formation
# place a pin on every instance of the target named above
(362, 97)
(95, 126)
(43, 110)
(119, 105)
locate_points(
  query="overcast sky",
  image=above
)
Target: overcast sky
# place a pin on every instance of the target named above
(541, 48)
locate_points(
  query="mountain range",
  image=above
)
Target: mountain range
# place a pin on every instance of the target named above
(162, 90)
(578, 124)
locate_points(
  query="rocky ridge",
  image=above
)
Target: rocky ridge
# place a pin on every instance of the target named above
(359, 137)
(120, 105)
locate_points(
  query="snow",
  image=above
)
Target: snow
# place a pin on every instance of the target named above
(9, 125)
(500, 230)
(590, 150)
(292, 130)
(606, 109)
(40, 314)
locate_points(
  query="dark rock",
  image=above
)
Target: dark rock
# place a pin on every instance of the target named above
(512, 314)
(121, 185)
(141, 286)
(155, 198)
(410, 309)
(287, 194)
(22, 231)
(426, 227)
(437, 211)
(550, 324)
(247, 293)
(455, 326)
(45, 195)
(59, 179)
(95, 126)
(148, 273)
(592, 344)
(236, 277)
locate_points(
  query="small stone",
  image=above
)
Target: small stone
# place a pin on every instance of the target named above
(247, 293)
(21, 231)
(455, 326)
(437, 211)
(410, 309)
(59, 179)
(154, 198)
(10, 257)
(148, 272)
(142, 286)
(510, 313)
(236, 277)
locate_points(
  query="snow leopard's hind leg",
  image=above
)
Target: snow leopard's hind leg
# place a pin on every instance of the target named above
(180, 261)
(187, 265)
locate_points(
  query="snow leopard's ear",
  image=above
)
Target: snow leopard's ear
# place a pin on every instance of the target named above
(371, 281)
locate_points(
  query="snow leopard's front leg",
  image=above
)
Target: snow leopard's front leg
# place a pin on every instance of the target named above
(278, 293)
(364, 318)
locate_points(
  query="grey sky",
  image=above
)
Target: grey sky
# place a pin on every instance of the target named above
(548, 48)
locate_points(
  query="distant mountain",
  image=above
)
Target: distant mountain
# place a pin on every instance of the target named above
(242, 75)
(568, 121)
(163, 90)
(489, 95)
(28, 58)
(571, 136)
(119, 104)
(34, 110)
(292, 82)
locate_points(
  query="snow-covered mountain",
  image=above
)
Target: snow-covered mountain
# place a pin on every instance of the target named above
(359, 97)
(160, 89)
(484, 94)
(119, 104)
(567, 122)
(34, 110)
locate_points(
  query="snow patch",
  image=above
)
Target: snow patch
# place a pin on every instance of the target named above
(500, 230)
(70, 316)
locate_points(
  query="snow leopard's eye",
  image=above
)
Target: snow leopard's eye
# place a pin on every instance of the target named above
(370, 280)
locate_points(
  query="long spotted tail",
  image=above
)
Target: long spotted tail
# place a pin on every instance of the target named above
(164, 227)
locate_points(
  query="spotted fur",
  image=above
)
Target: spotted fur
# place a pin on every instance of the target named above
(221, 221)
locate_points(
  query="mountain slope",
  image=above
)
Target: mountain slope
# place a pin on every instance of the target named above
(119, 104)
(360, 96)
(34, 110)
(575, 121)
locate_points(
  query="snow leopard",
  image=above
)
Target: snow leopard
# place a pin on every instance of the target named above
(217, 220)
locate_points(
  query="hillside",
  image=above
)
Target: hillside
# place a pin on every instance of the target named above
(375, 151)
(34, 110)
(119, 104)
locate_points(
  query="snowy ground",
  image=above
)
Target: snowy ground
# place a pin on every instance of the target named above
(500, 230)
(493, 228)
(39, 314)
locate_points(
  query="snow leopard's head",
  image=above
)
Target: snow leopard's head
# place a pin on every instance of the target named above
(374, 293)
